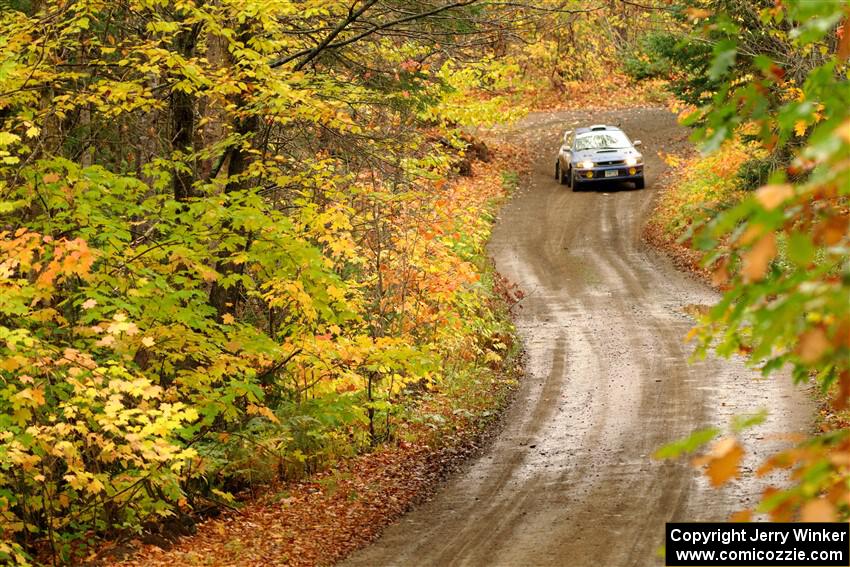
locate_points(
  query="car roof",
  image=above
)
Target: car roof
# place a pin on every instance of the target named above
(597, 128)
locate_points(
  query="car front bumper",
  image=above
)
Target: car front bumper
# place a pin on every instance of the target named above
(624, 173)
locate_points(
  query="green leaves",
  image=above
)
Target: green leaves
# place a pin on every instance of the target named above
(693, 442)
(782, 249)
(725, 53)
(203, 247)
(801, 249)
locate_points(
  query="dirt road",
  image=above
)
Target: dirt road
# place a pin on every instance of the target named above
(570, 481)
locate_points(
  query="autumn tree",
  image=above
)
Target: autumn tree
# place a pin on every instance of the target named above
(780, 71)
(219, 238)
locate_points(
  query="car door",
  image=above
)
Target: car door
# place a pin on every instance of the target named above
(565, 155)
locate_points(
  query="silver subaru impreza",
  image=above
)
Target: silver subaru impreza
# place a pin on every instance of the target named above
(598, 153)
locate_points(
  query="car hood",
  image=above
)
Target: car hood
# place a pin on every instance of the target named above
(605, 155)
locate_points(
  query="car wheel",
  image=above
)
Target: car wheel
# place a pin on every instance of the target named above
(640, 183)
(562, 177)
(558, 170)
(573, 183)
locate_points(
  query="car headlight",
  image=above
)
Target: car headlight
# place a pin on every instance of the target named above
(631, 160)
(585, 164)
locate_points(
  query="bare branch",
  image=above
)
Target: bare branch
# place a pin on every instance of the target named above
(312, 53)
(352, 17)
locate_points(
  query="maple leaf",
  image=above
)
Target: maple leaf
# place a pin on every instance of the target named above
(720, 274)
(722, 462)
(771, 196)
(742, 516)
(812, 345)
(698, 13)
(757, 259)
(819, 510)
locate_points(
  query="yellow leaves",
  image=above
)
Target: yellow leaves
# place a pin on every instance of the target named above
(120, 326)
(771, 196)
(264, 411)
(121, 415)
(283, 293)
(95, 486)
(208, 274)
(493, 357)
(722, 462)
(698, 13)
(83, 480)
(139, 387)
(818, 114)
(30, 397)
(7, 139)
(13, 362)
(671, 160)
(67, 451)
(77, 482)
(800, 128)
(758, 258)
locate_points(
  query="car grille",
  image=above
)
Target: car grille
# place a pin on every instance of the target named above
(615, 162)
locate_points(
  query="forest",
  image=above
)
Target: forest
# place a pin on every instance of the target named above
(246, 243)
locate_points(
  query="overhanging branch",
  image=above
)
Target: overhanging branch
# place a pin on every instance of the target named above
(312, 53)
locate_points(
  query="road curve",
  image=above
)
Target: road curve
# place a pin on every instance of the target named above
(569, 481)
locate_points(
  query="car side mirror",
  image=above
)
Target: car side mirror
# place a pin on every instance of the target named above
(567, 135)
(637, 143)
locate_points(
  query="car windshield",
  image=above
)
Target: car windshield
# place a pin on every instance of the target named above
(602, 140)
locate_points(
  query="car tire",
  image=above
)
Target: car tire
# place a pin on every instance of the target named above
(562, 178)
(640, 183)
(573, 183)
(558, 170)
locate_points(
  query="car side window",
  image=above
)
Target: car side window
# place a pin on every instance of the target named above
(568, 141)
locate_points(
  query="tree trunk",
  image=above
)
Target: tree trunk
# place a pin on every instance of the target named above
(183, 121)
